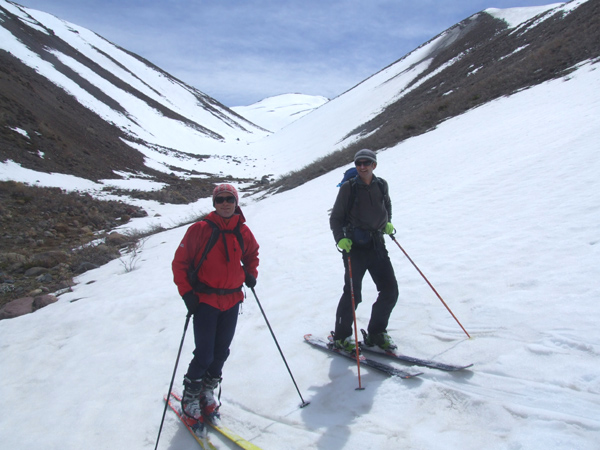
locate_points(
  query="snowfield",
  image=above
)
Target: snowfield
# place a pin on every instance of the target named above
(500, 210)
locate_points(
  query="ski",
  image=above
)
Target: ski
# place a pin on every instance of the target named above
(410, 359)
(226, 432)
(196, 427)
(385, 368)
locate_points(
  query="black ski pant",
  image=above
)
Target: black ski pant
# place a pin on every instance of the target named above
(376, 261)
(213, 333)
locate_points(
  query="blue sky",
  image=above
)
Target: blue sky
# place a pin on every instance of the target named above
(241, 51)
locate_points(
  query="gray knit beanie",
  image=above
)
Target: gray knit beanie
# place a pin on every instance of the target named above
(365, 154)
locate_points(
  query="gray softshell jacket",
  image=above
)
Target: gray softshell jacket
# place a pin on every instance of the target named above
(371, 209)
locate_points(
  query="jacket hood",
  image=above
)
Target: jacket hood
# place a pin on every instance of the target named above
(238, 211)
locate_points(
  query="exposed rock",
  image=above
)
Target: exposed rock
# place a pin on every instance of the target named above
(42, 301)
(7, 287)
(62, 228)
(12, 258)
(49, 259)
(16, 308)
(84, 267)
(35, 271)
(52, 232)
(117, 239)
(44, 278)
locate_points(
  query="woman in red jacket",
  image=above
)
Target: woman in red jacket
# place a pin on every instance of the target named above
(213, 294)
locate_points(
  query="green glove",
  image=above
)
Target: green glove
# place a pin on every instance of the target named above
(345, 244)
(389, 228)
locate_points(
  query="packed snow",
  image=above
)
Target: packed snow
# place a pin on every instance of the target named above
(497, 207)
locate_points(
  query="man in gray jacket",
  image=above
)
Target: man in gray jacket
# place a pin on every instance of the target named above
(361, 214)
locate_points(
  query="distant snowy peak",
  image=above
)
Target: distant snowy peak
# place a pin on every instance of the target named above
(274, 113)
(516, 16)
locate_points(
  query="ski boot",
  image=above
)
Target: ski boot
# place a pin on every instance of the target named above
(208, 403)
(381, 340)
(347, 345)
(190, 400)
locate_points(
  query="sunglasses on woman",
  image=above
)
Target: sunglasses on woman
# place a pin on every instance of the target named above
(229, 199)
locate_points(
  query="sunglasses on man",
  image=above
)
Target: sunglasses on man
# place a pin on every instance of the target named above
(364, 162)
(229, 199)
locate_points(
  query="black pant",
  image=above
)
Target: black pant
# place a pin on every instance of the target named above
(376, 261)
(213, 333)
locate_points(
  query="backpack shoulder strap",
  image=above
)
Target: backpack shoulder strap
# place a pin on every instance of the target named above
(238, 234)
(383, 186)
(212, 240)
(353, 189)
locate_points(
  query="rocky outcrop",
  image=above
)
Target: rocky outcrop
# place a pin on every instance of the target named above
(25, 305)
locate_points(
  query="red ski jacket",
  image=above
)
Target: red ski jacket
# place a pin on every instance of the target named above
(222, 268)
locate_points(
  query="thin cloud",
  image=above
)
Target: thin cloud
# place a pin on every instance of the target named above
(241, 51)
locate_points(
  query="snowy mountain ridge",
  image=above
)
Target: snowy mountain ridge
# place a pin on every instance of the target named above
(140, 123)
(276, 112)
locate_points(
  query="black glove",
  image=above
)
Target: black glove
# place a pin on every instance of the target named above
(191, 301)
(250, 281)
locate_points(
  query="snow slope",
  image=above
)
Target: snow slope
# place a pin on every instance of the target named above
(240, 149)
(516, 16)
(274, 113)
(212, 125)
(498, 207)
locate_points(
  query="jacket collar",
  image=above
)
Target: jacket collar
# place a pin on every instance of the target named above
(227, 224)
(362, 183)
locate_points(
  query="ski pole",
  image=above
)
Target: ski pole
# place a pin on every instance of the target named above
(187, 321)
(304, 403)
(430, 285)
(359, 388)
